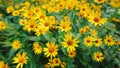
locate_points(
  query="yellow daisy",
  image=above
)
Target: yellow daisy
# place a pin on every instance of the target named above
(97, 42)
(94, 32)
(56, 61)
(69, 42)
(63, 65)
(37, 48)
(20, 59)
(71, 54)
(88, 41)
(99, 1)
(3, 65)
(109, 40)
(96, 19)
(16, 44)
(65, 26)
(98, 56)
(50, 50)
(3, 25)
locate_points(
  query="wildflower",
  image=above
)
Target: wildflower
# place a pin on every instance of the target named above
(3, 65)
(96, 19)
(3, 25)
(65, 26)
(9, 9)
(71, 54)
(56, 61)
(16, 44)
(37, 48)
(88, 41)
(99, 1)
(69, 42)
(63, 64)
(98, 56)
(97, 42)
(20, 59)
(94, 32)
(109, 40)
(51, 49)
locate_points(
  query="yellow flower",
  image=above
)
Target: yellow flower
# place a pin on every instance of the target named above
(31, 25)
(82, 31)
(71, 54)
(84, 8)
(46, 22)
(23, 22)
(63, 64)
(15, 13)
(51, 49)
(86, 28)
(1, 15)
(3, 25)
(88, 41)
(109, 40)
(16, 44)
(99, 1)
(65, 26)
(20, 59)
(115, 3)
(40, 30)
(98, 56)
(97, 42)
(51, 63)
(56, 61)
(3, 65)
(37, 48)
(69, 42)
(96, 19)
(94, 32)
(10, 9)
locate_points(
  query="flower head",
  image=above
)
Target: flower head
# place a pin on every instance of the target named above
(20, 59)
(16, 44)
(109, 40)
(37, 48)
(69, 42)
(51, 49)
(98, 56)
(3, 65)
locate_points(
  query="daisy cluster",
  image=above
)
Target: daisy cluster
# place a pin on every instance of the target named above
(60, 33)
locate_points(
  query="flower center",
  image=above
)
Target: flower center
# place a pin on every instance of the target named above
(21, 60)
(88, 41)
(98, 56)
(99, 0)
(108, 40)
(96, 19)
(46, 24)
(96, 41)
(51, 50)
(31, 26)
(70, 42)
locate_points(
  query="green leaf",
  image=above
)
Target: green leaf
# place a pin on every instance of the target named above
(12, 52)
(34, 38)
